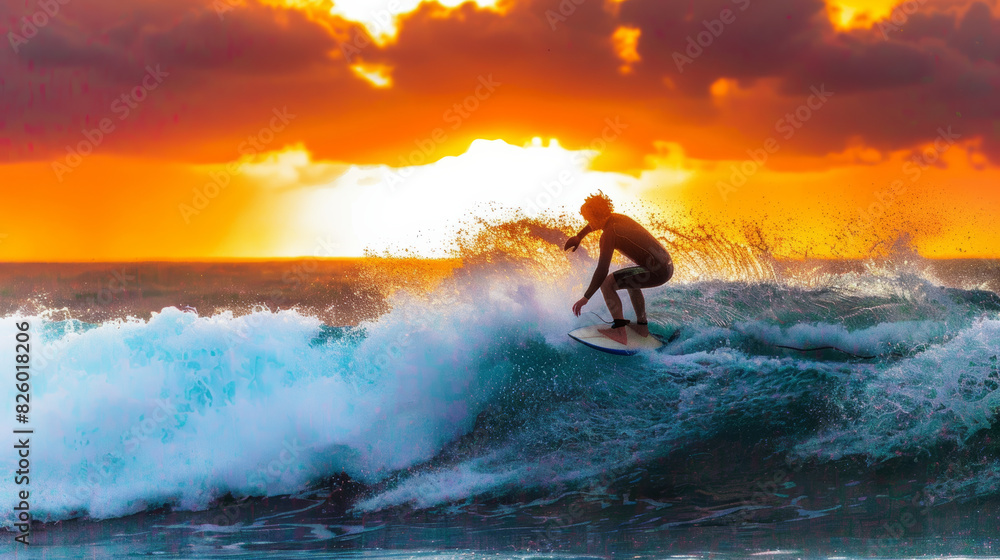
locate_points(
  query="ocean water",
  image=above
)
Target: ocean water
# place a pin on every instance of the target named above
(809, 410)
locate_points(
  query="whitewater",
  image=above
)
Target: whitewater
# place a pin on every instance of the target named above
(471, 392)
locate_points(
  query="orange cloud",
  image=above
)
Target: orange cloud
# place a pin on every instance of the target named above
(626, 42)
(361, 97)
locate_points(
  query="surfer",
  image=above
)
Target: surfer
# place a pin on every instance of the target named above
(621, 233)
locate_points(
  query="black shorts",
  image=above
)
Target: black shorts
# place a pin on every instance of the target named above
(639, 277)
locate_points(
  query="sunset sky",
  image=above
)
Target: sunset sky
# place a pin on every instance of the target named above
(176, 129)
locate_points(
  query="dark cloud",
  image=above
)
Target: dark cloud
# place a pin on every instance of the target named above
(265, 40)
(559, 73)
(762, 39)
(978, 34)
(68, 75)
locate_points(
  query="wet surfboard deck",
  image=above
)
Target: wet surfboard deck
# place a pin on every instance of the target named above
(633, 341)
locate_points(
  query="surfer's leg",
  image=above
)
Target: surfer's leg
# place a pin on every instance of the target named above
(609, 289)
(634, 279)
(638, 304)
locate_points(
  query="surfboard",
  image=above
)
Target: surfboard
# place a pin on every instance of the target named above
(633, 341)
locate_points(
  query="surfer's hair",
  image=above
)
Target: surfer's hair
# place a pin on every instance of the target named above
(598, 205)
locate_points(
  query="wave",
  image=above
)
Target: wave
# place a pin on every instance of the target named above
(472, 389)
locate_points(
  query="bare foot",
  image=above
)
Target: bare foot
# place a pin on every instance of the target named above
(641, 330)
(619, 335)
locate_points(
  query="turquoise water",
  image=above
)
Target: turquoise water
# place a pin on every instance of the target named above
(852, 415)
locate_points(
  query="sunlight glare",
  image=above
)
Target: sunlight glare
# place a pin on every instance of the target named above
(848, 14)
(626, 43)
(422, 207)
(380, 16)
(377, 75)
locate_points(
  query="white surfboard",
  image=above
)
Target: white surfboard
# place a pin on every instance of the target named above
(634, 342)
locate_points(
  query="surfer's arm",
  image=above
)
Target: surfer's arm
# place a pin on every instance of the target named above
(574, 242)
(603, 263)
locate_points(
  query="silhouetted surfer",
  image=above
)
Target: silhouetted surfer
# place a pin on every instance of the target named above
(625, 235)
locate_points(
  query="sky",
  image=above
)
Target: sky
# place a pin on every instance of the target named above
(203, 129)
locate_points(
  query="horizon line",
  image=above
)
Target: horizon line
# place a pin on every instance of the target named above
(193, 260)
(221, 260)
